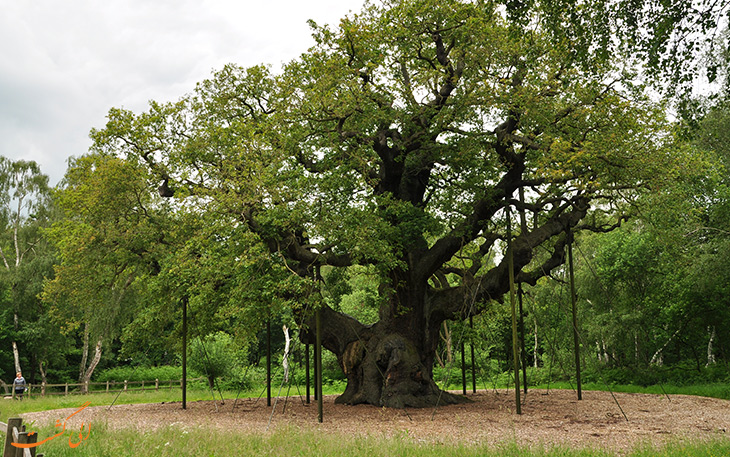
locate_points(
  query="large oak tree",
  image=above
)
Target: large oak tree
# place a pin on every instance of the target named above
(401, 140)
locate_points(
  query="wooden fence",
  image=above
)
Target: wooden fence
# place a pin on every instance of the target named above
(15, 433)
(102, 387)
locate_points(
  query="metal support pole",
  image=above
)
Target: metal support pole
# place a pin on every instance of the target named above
(523, 359)
(512, 292)
(463, 367)
(268, 362)
(316, 392)
(185, 354)
(318, 364)
(473, 365)
(523, 230)
(573, 299)
(306, 369)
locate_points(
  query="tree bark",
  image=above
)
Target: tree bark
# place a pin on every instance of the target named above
(86, 378)
(43, 378)
(84, 353)
(389, 363)
(446, 338)
(285, 358)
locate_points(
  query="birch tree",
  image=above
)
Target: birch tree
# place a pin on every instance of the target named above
(23, 192)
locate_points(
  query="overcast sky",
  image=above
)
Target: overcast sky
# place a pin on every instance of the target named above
(65, 63)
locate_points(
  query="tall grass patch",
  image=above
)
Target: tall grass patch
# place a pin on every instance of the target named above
(210, 442)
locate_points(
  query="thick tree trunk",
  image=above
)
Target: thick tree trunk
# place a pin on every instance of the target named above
(391, 362)
(389, 370)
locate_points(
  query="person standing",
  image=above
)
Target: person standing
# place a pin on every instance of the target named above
(19, 385)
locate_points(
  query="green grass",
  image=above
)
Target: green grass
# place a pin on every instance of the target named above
(714, 390)
(174, 441)
(203, 441)
(12, 408)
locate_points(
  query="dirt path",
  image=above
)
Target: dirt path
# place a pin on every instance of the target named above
(554, 418)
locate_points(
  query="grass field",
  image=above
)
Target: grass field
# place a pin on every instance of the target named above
(175, 441)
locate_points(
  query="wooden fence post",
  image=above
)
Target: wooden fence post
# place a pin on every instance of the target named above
(13, 422)
(21, 439)
(25, 438)
(125, 385)
(157, 384)
(66, 391)
(107, 385)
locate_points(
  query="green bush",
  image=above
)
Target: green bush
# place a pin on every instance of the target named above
(216, 356)
(163, 373)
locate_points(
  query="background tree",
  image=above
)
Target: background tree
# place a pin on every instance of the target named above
(24, 210)
(106, 241)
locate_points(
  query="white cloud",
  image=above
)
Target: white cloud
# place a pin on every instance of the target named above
(66, 63)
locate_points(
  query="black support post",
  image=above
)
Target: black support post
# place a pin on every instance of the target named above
(573, 299)
(512, 293)
(185, 354)
(473, 365)
(463, 367)
(318, 364)
(306, 369)
(268, 362)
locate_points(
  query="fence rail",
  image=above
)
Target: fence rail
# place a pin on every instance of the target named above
(44, 389)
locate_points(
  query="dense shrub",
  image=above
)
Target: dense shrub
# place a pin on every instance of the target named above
(163, 373)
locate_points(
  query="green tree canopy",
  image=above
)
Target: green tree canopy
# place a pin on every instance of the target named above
(399, 142)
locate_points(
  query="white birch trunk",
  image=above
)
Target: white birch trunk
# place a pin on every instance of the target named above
(16, 356)
(710, 349)
(285, 359)
(43, 378)
(92, 366)
(658, 357)
(84, 353)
